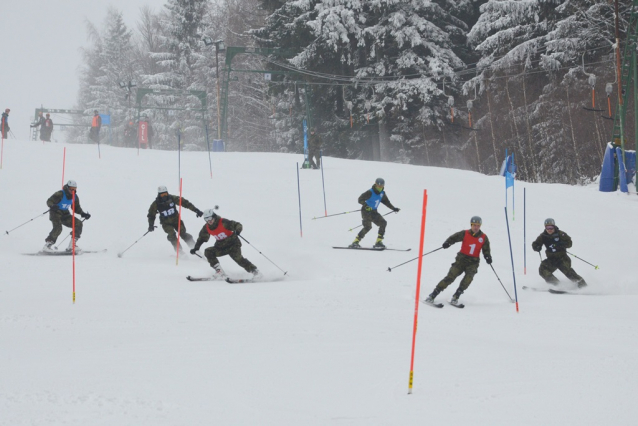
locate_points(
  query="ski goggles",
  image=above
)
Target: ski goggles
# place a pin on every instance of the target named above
(550, 227)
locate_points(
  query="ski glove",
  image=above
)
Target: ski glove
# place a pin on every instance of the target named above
(536, 248)
(199, 213)
(396, 210)
(488, 259)
(53, 208)
(368, 208)
(193, 251)
(446, 245)
(86, 216)
(151, 228)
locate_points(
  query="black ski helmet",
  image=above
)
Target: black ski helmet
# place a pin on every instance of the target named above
(550, 222)
(477, 220)
(379, 182)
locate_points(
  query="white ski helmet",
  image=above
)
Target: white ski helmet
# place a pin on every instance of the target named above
(72, 184)
(209, 214)
(161, 189)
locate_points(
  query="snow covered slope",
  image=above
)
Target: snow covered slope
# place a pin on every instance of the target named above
(331, 343)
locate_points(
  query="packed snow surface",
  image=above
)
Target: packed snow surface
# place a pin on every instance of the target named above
(330, 343)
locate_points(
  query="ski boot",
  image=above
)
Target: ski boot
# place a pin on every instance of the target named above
(355, 243)
(257, 275)
(379, 244)
(73, 243)
(552, 280)
(455, 298)
(174, 244)
(48, 245)
(219, 273)
(432, 296)
(582, 284)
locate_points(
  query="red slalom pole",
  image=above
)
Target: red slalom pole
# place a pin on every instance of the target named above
(63, 166)
(418, 288)
(179, 221)
(73, 243)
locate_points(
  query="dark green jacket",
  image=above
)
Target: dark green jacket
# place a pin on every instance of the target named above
(458, 237)
(231, 225)
(314, 142)
(152, 211)
(385, 200)
(57, 197)
(556, 244)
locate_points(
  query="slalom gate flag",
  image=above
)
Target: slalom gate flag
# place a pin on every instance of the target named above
(509, 180)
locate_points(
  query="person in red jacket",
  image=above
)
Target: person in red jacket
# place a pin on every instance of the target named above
(226, 234)
(96, 124)
(467, 260)
(4, 123)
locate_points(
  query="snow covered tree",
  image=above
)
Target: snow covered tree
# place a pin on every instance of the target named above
(369, 61)
(532, 70)
(178, 50)
(108, 61)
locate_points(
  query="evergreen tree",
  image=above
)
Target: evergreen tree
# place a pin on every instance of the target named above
(378, 61)
(178, 53)
(108, 61)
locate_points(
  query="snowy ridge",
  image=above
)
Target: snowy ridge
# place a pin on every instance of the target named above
(330, 344)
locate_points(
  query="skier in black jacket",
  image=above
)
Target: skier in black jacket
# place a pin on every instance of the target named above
(556, 242)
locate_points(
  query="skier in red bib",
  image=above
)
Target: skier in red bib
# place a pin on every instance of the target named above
(467, 260)
(226, 233)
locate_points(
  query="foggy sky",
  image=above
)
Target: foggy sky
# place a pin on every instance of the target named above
(40, 59)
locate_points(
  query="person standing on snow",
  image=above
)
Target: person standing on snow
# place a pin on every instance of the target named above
(166, 205)
(4, 123)
(314, 149)
(39, 123)
(46, 129)
(556, 242)
(467, 260)
(370, 201)
(96, 125)
(226, 233)
(60, 213)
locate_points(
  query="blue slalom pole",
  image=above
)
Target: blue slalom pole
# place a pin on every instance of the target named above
(524, 232)
(210, 162)
(322, 183)
(299, 194)
(512, 257)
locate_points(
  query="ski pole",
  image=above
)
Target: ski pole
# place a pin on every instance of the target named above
(336, 214)
(121, 253)
(285, 272)
(499, 280)
(7, 232)
(595, 266)
(362, 224)
(425, 254)
(56, 247)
